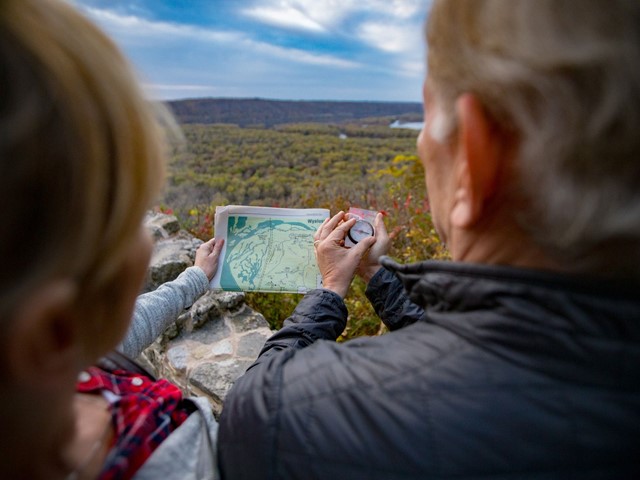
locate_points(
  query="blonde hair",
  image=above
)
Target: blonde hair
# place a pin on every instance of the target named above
(564, 79)
(80, 150)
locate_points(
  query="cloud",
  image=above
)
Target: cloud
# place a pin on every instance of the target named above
(130, 26)
(133, 28)
(400, 9)
(412, 68)
(328, 15)
(394, 38)
(392, 26)
(348, 49)
(285, 17)
(301, 56)
(309, 15)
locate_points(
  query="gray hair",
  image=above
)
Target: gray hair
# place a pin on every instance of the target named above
(564, 78)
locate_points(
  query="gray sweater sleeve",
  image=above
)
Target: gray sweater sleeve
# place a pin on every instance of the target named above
(155, 311)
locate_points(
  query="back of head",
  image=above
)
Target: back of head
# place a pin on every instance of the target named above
(563, 77)
(80, 150)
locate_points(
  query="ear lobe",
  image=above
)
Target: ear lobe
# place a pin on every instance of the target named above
(43, 347)
(478, 162)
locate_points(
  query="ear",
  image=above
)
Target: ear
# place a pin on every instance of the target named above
(43, 348)
(478, 162)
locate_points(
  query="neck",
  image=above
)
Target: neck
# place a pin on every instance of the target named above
(495, 241)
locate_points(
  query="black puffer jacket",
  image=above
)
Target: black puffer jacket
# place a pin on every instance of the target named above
(506, 374)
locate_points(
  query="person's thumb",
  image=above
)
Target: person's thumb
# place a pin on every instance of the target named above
(363, 245)
(381, 229)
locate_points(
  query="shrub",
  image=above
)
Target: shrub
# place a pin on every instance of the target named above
(397, 190)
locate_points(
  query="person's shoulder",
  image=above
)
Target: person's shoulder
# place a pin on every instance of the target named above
(189, 451)
(335, 362)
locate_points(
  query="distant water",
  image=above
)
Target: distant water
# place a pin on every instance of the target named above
(410, 125)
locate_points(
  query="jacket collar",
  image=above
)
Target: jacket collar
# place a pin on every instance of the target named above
(584, 329)
(465, 285)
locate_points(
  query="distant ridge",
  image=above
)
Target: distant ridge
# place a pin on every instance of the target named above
(261, 112)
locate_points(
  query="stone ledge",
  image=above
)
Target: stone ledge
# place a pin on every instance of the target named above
(211, 344)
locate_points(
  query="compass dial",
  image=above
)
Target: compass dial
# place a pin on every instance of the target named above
(360, 230)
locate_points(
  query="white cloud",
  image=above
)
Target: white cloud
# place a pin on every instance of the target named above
(325, 15)
(400, 9)
(412, 68)
(129, 27)
(286, 17)
(394, 38)
(310, 15)
(301, 56)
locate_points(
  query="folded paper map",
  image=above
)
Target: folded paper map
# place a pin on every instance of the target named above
(267, 249)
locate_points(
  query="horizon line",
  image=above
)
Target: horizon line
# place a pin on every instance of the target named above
(283, 100)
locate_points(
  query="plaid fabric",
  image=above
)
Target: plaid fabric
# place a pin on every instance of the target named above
(144, 413)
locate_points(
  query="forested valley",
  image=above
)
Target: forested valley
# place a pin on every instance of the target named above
(300, 165)
(305, 165)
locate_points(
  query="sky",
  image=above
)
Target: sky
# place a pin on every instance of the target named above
(362, 50)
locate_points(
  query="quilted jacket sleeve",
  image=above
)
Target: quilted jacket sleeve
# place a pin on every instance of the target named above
(386, 293)
(252, 409)
(321, 314)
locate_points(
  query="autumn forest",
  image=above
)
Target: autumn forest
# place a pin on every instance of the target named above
(360, 162)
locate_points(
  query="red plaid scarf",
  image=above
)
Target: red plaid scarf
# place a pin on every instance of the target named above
(144, 413)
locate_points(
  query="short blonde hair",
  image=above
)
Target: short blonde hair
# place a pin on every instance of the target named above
(81, 150)
(564, 78)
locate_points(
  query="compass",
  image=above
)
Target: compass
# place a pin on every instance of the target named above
(360, 230)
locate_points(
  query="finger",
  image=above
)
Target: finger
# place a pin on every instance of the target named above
(380, 228)
(341, 230)
(217, 246)
(363, 246)
(207, 245)
(330, 226)
(316, 236)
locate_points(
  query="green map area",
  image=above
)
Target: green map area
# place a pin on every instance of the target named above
(272, 255)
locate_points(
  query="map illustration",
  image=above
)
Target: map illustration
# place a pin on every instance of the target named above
(267, 249)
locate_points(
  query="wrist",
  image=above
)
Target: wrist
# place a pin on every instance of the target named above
(340, 290)
(367, 273)
(207, 273)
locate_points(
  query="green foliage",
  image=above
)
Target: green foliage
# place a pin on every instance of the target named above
(276, 307)
(293, 166)
(409, 219)
(305, 166)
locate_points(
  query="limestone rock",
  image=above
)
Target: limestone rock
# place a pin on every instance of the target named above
(246, 320)
(211, 344)
(171, 256)
(207, 359)
(249, 345)
(216, 379)
(162, 225)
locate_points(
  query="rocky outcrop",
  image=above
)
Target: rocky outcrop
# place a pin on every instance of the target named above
(212, 343)
(173, 252)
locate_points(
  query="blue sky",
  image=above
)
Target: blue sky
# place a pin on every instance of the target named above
(280, 49)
